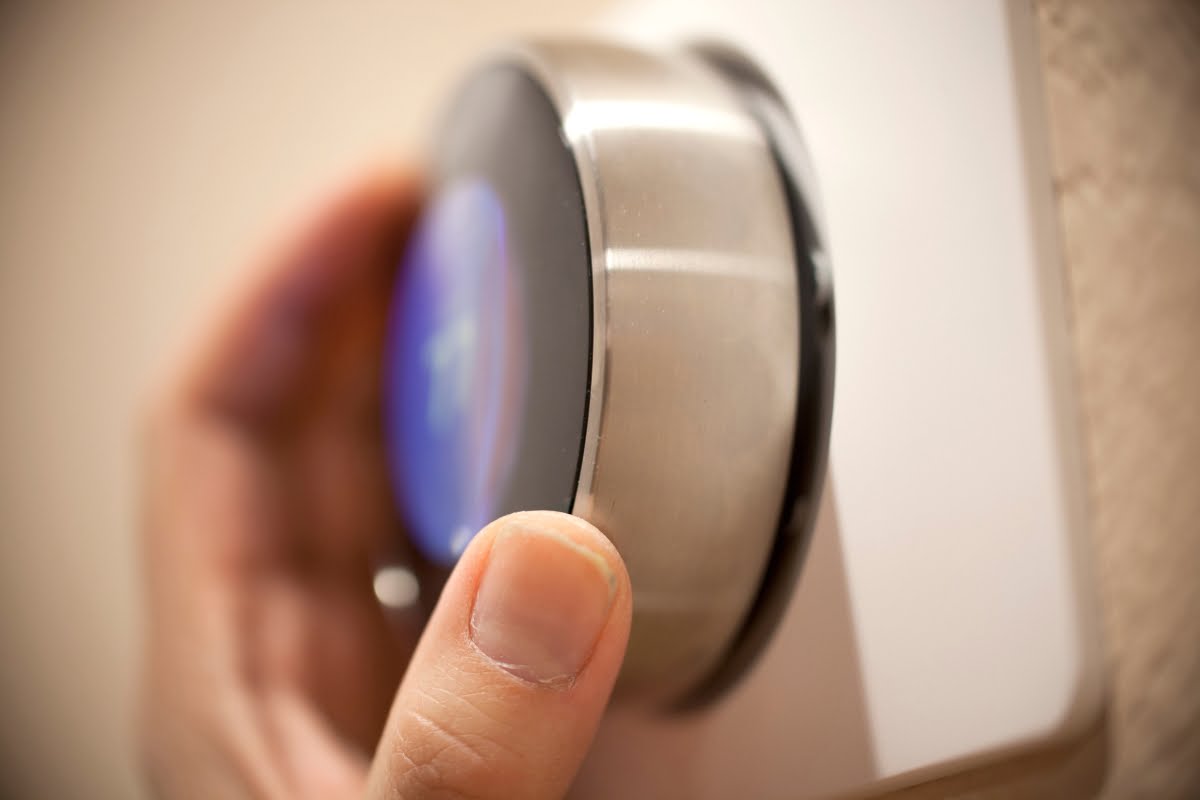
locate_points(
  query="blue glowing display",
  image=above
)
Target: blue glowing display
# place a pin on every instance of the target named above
(455, 370)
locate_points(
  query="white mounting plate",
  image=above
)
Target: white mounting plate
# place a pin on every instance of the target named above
(944, 616)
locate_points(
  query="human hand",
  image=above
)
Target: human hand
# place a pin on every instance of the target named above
(270, 665)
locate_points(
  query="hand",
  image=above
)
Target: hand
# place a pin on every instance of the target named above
(270, 665)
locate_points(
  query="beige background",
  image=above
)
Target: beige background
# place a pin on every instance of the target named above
(142, 148)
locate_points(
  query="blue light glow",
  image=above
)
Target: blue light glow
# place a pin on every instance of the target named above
(455, 371)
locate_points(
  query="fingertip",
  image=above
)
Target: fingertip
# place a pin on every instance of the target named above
(569, 529)
(551, 591)
(516, 665)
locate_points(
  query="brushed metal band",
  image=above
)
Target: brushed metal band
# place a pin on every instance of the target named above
(694, 376)
(814, 407)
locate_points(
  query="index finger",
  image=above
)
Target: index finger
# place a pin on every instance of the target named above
(250, 366)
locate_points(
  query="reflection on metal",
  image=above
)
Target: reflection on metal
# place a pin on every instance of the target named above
(655, 115)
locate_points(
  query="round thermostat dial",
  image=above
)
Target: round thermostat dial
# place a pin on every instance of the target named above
(616, 304)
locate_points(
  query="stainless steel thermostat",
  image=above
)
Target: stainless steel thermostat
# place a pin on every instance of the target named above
(617, 304)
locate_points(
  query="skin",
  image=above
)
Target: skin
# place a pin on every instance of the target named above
(270, 668)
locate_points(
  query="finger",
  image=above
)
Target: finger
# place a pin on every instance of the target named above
(258, 559)
(301, 342)
(514, 669)
(253, 365)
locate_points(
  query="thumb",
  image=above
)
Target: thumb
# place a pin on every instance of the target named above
(512, 674)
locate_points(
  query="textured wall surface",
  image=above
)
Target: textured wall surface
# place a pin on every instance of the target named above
(1123, 92)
